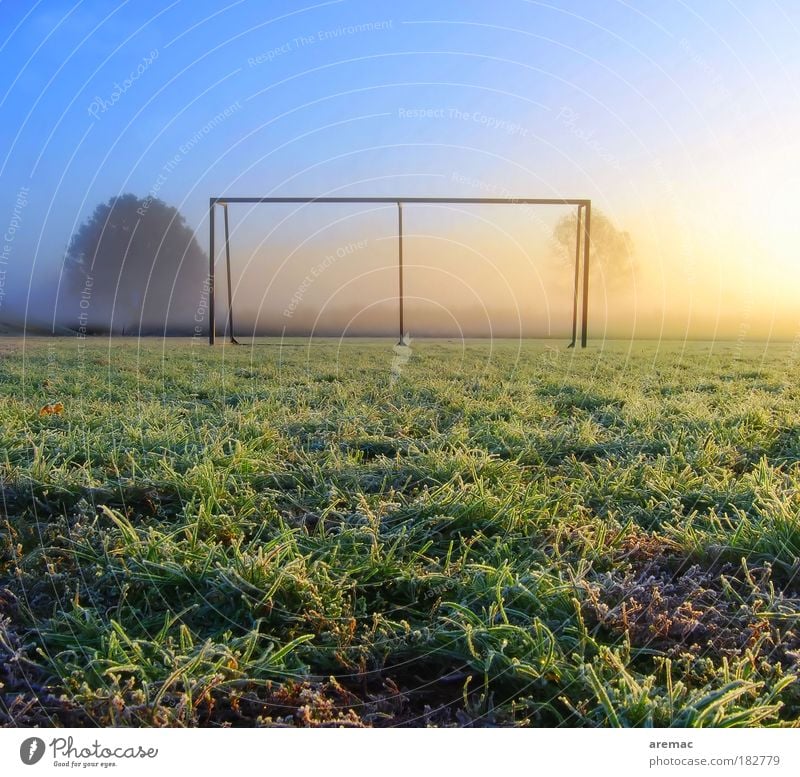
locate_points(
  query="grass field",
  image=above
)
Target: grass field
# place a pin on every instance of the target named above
(494, 535)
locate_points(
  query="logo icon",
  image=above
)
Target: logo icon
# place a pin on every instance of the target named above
(31, 750)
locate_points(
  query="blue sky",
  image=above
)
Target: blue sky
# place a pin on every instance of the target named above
(670, 116)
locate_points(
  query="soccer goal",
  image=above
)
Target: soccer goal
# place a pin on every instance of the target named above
(582, 246)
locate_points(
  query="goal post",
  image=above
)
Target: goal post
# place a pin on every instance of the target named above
(582, 245)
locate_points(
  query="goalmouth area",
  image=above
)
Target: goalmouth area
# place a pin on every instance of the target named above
(582, 245)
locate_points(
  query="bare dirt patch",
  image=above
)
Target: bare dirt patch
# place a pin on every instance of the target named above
(665, 604)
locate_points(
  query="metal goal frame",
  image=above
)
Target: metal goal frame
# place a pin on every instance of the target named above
(582, 241)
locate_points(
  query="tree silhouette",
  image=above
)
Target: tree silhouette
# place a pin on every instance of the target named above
(611, 248)
(134, 267)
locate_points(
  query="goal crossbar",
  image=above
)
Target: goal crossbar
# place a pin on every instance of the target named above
(582, 245)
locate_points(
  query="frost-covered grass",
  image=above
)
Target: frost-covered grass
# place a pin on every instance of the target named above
(501, 534)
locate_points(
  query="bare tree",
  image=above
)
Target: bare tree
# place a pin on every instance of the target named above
(611, 249)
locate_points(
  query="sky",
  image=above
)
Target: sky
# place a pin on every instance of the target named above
(679, 120)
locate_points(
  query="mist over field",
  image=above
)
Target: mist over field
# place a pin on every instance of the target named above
(476, 271)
